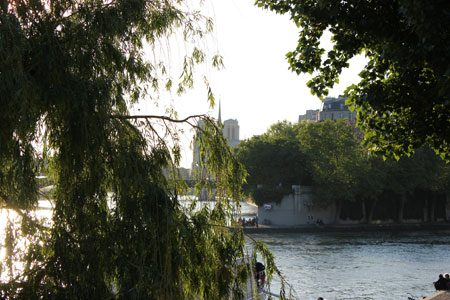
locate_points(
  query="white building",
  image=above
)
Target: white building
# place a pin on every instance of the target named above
(295, 209)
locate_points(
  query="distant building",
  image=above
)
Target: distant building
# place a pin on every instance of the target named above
(184, 173)
(334, 109)
(231, 131)
(196, 148)
(295, 209)
(311, 115)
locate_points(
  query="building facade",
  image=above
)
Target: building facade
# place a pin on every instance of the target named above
(311, 116)
(295, 209)
(231, 131)
(196, 148)
(333, 108)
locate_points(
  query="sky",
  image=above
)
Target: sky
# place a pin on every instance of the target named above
(256, 86)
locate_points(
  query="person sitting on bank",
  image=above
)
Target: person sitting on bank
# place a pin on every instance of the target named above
(441, 284)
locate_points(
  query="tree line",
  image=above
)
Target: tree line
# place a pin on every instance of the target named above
(331, 158)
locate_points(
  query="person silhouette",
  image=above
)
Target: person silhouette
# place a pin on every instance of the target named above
(447, 279)
(441, 283)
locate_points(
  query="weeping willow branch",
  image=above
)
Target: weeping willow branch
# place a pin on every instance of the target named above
(20, 212)
(96, 57)
(165, 118)
(185, 120)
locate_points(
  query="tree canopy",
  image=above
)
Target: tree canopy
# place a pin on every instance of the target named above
(346, 178)
(273, 161)
(336, 158)
(69, 72)
(403, 96)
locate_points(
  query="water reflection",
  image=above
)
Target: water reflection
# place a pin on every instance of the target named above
(44, 212)
(375, 265)
(16, 242)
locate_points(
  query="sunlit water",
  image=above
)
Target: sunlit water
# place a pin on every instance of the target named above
(44, 213)
(356, 266)
(371, 265)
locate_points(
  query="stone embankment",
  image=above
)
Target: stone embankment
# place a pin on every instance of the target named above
(442, 295)
(344, 228)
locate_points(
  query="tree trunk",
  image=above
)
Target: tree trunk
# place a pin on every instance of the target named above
(433, 208)
(337, 216)
(447, 204)
(401, 207)
(364, 212)
(425, 210)
(371, 211)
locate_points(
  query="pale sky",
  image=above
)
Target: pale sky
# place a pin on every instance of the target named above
(256, 87)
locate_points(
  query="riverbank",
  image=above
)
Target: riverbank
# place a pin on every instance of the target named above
(442, 295)
(347, 228)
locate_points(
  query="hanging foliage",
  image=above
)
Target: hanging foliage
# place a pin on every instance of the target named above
(69, 72)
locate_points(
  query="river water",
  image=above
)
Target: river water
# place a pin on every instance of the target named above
(353, 265)
(357, 266)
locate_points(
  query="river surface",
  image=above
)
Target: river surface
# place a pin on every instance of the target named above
(351, 265)
(357, 266)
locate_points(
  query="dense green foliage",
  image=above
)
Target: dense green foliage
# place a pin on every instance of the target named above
(69, 72)
(403, 97)
(274, 162)
(273, 159)
(336, 158)
(270, 193)
(343, 174)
